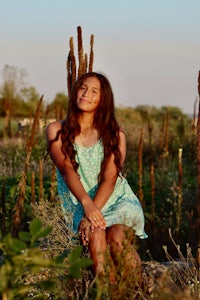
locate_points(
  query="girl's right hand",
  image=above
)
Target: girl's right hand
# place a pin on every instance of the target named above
(93, 214)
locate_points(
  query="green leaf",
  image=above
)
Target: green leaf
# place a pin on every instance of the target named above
(18, 245)
(42, 233)
(35, 226)
(59, 259)
(76, 262)
(25, 236)
(76, 253)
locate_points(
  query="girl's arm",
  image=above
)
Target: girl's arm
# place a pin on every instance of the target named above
(110, 175)
(71, 178)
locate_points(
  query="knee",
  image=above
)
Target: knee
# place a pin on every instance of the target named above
(120, 236)
(115, 236)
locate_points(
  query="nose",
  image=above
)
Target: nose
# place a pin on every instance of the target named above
(86, 93)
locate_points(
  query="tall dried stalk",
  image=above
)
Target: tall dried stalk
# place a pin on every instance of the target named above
(91, 53)
(33, 188)
(161, 143)
(71, 66)
(152, 180)
(194, 127)
(80, 51)
(82, 59)
(150, 130)
(84, 64)
(41, 185)
(166, 134)
(19, 205)
(194, 115)
(140, 167)
(180, 190)
(198, 257)
(198, 164)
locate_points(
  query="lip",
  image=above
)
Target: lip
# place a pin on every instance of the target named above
(83, 100)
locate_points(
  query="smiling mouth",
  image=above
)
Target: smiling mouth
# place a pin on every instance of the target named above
(84, 101)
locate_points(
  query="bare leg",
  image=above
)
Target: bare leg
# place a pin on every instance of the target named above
(123, 253)
(97, 247)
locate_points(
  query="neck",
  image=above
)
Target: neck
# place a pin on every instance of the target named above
(86, 121)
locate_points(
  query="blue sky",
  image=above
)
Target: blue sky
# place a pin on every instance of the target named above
(149, 49)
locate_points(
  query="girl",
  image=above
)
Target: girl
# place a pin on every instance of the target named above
(88, 149)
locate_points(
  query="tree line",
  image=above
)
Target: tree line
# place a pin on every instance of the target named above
(18, 100)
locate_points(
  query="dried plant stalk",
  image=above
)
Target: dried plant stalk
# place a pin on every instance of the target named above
(33, 188)
(19, 205)
(91, 53)
(41, 187)
(71, 66)
(166, 145)
(180, 190)
(82, 59)
(140, 167)
(185, 270)
(161, 143)
(69, 80)
(150, 130)
(194, 115)
(73, 62)
(198, 163)
(80, 51)
(85, 63)
(198, 142)
(152, 179)
(194, 128)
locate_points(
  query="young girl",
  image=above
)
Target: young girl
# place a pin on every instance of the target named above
(88, 149)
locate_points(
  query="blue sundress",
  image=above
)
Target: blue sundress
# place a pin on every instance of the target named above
(122, 207)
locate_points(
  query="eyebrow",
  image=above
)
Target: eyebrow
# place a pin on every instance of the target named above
(93, 87)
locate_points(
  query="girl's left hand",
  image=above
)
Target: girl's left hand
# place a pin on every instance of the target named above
(94, 214)
(85, 229)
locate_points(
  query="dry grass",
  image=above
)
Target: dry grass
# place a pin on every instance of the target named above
(61, 237)
(172, 280)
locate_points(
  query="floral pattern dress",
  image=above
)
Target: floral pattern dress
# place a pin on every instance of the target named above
(122, 207)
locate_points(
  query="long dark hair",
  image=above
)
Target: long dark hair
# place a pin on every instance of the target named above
(104, 122)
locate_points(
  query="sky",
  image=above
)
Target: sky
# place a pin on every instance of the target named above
(148, 49)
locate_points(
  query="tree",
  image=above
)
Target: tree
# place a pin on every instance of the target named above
(30, 101)
(57, 109)
(13, 81)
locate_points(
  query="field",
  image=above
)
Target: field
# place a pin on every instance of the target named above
(161, 167)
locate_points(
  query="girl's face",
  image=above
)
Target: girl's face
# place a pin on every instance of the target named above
(89, 95)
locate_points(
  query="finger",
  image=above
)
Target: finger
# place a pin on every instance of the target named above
(92, 228)
(87, 234)
(100, 221)
(81, 236)
(84, 241)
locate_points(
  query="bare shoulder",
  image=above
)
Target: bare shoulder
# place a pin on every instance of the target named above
(52, 129)
(122, 145)
(122, 136)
